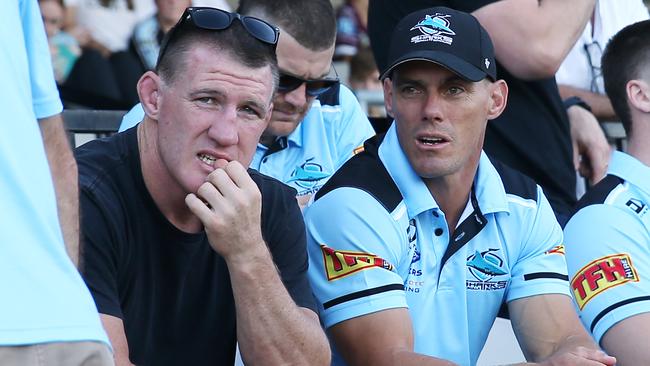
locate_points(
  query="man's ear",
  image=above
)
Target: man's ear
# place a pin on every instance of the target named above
(498, 99)
(388, 96)
(149, 92)
(638, 95)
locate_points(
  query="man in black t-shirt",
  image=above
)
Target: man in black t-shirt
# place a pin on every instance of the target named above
(185, 251)
(533, 134)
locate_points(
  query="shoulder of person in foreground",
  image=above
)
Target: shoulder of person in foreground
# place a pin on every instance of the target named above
(608, 259)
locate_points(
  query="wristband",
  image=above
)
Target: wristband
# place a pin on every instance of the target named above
(575, 100)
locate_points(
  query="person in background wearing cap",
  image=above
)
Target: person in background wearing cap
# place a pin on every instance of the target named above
(608, 239)
(533, 134)
(186, 252)
(415, 243)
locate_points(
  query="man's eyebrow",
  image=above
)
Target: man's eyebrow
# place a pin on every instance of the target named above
(207, 91)
(255, 103)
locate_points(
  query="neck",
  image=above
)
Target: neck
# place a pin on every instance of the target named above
(167, 194)
(638, 145)
(452, 193)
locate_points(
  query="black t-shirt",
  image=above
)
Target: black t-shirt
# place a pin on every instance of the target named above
(171, 290)
(532, 135)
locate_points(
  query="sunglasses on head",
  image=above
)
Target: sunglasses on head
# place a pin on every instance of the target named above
(313, 87)
(217, 19)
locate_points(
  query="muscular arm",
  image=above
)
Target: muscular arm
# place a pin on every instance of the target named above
(600, 105)
(64, 176)
(550, 333)
(391, 342)
(271, 328)
(627, 340)
(532, 37)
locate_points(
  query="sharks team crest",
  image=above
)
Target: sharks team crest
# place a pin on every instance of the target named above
(308, 174)
(484, 267)
(434, 28)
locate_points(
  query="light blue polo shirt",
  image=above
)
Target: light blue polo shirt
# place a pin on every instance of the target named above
(43, 298)
(608, 247)
(334, 126)
(370, 252)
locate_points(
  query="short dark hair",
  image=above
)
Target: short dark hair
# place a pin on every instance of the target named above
(626, 57)
(234, 40)
(312, 23)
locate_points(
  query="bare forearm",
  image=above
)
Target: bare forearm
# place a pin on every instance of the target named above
(63, 168)
(526, 35)
(271, 328)
(600, 104)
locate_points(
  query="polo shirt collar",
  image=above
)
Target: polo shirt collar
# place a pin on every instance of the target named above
(631, 170)
(489, 190)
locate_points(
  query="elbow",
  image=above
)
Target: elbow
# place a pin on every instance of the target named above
(541, 62)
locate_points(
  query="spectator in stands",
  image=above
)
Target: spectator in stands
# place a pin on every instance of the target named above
(177, 259)
(64, 48)
(580, 73)
(351, 29)
(316, 123)
(608, 239)
(533, 134)
(419, 239)
(47, 315)
(363, 71)
(106, 25)
(147, 34)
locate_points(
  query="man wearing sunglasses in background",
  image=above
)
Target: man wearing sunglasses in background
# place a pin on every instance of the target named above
(316, 122)
(185, 252)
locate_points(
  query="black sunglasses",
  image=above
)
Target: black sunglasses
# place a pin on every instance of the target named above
(314, 87)
(217, 19)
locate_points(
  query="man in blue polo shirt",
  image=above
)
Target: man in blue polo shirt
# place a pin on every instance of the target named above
(608, 239)
(418, 240)
(316, 122)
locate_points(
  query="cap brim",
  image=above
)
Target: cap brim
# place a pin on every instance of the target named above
(455, 64)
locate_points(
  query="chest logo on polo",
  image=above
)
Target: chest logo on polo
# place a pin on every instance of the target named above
(307, 174)
(484, 267)
(341, 263)
(434, 28)
(600, 275)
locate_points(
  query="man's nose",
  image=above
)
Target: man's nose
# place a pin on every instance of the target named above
(223, 128)
(432, 109)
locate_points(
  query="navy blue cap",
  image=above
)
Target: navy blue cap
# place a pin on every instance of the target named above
(450, 38)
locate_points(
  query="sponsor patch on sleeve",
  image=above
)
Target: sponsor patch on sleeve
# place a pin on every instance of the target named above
(558, 249)
(602, 274)
(340, 263)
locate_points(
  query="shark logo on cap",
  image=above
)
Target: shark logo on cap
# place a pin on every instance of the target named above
(434, 28)
(437, 24)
